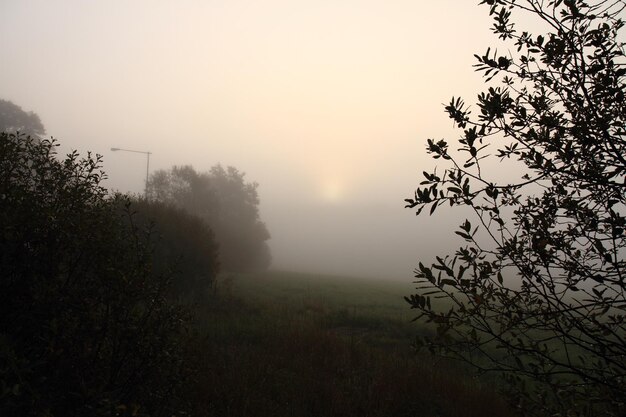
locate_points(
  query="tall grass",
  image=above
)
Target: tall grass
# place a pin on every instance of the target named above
(268, 346)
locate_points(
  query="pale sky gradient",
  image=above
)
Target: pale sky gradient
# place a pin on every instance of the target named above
(327, 104)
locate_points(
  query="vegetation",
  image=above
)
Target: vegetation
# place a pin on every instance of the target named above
(186, 247)
(538, 292)
(90, 323)
(13, 119)
(85, 324)
(285, 344)
(229, 206)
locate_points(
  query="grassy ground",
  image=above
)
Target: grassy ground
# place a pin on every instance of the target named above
(363, 309)
(375, 298)
(285, 344)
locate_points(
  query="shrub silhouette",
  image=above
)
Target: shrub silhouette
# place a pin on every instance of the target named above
(186, 247)
(85, 325)
(538, 292)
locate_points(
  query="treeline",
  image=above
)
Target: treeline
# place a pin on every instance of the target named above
(228, 204)
(221, 198)
(98, 291)
(102, 314)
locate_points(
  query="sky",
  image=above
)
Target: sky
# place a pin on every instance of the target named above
(326, 104)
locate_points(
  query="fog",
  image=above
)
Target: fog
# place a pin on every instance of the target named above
(326, 104)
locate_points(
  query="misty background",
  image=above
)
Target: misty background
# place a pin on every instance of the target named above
(326, 104)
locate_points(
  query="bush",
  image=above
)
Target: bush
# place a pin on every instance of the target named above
(186, 244)
(538, 292)
(85, 327)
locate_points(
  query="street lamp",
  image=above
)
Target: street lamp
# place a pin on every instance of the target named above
(147, 163)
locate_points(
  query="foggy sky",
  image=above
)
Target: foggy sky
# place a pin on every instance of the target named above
(326, 104)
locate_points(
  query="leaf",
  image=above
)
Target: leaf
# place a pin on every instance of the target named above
(463, 235)
(462, 270)
(598, 278)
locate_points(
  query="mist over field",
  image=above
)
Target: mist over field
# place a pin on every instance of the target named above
(327, 105)
(208, 208)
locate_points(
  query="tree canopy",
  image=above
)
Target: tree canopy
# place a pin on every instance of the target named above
(229, 206)
(537, 293)
(13, 119)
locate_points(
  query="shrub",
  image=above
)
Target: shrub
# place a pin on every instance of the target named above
(85, 327)
(186, 244)
(538, 292)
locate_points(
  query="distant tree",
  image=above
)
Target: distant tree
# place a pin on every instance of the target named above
(13, 119)
(86, 327)
(183, 187)
(242, 235)
(227, 203)
(538, 292)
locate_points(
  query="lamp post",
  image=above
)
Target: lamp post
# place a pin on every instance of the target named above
(147, 164)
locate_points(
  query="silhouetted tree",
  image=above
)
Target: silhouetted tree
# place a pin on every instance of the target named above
(85, 324)
(538, 292)
(243, 236)
(186, 244)
(13, 119)
(227, 203)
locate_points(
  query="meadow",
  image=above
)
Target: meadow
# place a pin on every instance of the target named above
(287, 344)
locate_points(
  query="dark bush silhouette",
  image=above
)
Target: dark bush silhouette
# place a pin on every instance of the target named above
(538, 292)
(185, 243)
(227, 203)
(85, 325)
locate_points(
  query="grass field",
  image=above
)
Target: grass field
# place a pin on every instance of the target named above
(374, 298)
(287, 344)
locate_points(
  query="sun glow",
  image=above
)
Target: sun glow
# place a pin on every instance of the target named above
(332, 190)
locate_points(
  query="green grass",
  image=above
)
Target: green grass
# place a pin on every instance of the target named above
(285, 344)
(368, 309)
(361, 296)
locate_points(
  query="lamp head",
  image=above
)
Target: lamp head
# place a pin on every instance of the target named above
(115, 149)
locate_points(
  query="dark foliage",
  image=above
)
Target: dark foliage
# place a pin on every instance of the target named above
(185, 243)
(227, 203)
(13, 119)
(538, 292)
(85, 326)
